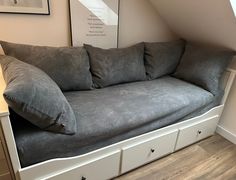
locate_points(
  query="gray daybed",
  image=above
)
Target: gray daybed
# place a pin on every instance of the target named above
(112, 114)
(116, 94)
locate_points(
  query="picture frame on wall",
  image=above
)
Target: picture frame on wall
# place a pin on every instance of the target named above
(94, 22)
(38, 7)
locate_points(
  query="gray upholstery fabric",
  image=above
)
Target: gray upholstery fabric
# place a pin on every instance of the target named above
(114, 66)
(162, 58)
(217, 101)
(34, 96)
(203, 66)
(103, 114)
(67, 66)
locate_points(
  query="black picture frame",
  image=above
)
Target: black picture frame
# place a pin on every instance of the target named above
(45, 10)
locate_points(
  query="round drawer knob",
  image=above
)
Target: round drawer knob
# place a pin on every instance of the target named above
(152, 150)
(83, 178)
(199, 132)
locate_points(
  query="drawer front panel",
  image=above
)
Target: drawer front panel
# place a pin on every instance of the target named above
(191, 134)
(103, 168)
(142, 153)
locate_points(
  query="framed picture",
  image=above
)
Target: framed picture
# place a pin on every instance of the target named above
(94, 22)
(25, 6)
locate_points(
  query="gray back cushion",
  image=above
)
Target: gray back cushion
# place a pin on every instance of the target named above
(162, 58)
(67, 66)
(36, 97)
(204, 66)
(114, 66)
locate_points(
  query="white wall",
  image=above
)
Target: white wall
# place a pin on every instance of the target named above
(38, 29)
(207, 21)
(210, 21)
(139, 21)
(228, 119)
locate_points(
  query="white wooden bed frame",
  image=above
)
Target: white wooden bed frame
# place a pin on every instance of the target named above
(118, 158)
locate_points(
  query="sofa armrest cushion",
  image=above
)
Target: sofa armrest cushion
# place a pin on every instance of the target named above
(67, 66)
(114, 66)
(204, 66)
(32, 94)
(162, 58)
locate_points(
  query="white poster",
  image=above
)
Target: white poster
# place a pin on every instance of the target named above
(94, 22)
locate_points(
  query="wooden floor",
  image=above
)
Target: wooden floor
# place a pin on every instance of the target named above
(211, 159)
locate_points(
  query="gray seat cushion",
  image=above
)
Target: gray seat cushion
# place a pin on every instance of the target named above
(67, 66)
(204, 66)
(106, 113)
(33, 95)
(162, 58)
(115, 66)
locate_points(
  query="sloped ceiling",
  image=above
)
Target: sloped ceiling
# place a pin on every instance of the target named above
(208, 21)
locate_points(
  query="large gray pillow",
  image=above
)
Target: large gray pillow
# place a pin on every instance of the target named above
(204, 66)
(33, 95)
(114, 66)
(67, 66)
(162, 58)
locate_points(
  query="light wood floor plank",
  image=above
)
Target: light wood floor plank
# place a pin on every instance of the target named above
(230, 174)
(213, 166)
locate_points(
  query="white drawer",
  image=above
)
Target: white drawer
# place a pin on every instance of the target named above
(102, 168)
(139, 154)
(193, 133)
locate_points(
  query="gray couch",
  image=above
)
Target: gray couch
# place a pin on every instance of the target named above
(107, 95)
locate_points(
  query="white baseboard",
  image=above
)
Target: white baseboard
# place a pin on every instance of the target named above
(226, 134)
